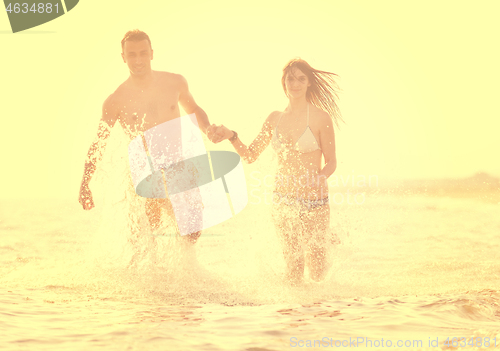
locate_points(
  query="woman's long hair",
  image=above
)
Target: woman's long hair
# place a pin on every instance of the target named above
(323, 92)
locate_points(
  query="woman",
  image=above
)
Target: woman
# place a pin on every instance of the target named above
(300, 135)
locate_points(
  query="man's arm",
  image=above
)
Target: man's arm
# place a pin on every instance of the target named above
(96, 151)
(250, 153)
(189, 105)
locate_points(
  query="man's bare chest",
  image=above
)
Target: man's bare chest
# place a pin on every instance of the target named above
(139, 111)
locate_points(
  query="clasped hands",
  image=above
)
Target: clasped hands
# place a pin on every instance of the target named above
(216, 134)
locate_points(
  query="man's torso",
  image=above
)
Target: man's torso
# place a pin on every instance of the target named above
(139, 109)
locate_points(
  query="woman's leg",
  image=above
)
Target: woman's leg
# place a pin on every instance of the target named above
(287, 225)
(316, 224)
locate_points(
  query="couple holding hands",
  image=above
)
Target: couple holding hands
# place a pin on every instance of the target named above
(302, 136)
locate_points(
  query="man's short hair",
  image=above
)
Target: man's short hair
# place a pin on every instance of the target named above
(135, 35)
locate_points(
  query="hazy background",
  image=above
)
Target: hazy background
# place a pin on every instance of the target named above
(420, 81)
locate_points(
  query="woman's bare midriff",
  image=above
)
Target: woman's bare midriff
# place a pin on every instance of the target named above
(296, 172)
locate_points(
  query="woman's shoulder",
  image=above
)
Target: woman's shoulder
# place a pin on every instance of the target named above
(319, 117)
(273, 117)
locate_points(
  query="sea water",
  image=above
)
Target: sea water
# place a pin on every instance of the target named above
(410, 272)
(407, 269)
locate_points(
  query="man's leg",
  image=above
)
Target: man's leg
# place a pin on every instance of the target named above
(191, 216)
(153, 212)
(188, 203)
(154, 209)
(189, 206)
(191, 238)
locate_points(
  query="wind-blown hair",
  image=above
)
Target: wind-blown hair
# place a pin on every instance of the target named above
(135, 35)
(323, 92)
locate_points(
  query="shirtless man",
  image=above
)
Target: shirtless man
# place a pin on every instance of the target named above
(146, 99)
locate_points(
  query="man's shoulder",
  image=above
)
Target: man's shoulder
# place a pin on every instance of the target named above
(119, 92)
(110, 109)
(122, 92)
(113, 100)
(169, 76)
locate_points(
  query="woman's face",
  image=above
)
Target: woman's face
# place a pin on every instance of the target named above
(296, 83)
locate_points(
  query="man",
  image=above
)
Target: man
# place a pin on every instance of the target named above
(146, 99)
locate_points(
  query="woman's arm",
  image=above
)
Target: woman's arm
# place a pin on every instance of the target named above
(327, 143)
(250, 153)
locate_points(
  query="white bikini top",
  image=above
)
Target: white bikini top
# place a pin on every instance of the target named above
(306, 143)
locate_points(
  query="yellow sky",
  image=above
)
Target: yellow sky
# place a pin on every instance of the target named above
(420, 81)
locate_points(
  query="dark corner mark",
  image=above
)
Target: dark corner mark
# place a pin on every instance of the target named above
(31, 13)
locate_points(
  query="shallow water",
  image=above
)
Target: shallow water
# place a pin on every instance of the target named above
(414, 269)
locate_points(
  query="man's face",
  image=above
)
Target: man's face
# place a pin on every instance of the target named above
(137, 55)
